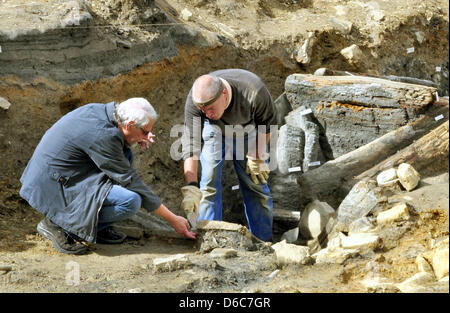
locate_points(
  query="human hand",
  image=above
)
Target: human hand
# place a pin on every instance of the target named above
(145, 143)
(257, 169)
(181, 226)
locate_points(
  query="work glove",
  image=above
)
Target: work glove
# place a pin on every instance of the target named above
(257, 169)
(190, 203)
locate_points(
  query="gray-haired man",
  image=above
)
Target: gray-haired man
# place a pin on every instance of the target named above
(82, 179)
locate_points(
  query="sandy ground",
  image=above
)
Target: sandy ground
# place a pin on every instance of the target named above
(33, 265)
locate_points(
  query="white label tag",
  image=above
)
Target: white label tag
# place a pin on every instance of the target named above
(314, 163)
(439, 117)
(437, 96)
(235, 187)
(410, 50)
(294, 169)
(304, 112)
(438, 68)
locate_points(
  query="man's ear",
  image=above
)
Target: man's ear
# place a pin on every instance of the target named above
(128, 125)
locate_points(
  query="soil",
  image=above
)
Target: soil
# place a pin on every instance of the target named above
(258, 35)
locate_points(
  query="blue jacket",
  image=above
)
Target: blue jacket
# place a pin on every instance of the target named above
(74, 167)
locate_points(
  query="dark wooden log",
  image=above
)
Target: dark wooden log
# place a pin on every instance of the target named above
(430, 148)
(331, 181)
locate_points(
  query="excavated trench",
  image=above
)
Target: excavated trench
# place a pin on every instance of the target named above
(44, 76)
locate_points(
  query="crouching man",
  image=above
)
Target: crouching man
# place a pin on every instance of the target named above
(81, 175)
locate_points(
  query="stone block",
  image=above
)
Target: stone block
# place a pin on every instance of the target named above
(223, 253)
(380, 286)
(396, 213)
(172, 263)
(360, 241)
(386, 177)
(408, 176)
(440, 262)
(361, 225)
(334, 255)
(353, 54)
(418, 280)
(4, 104)
(314, 219)
(359, 202)
(219, 234)
(287, 253)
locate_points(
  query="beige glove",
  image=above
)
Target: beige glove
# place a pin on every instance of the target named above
(190, 203)
(257, 169)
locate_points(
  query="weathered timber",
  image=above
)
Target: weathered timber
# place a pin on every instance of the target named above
(330, 182)
(363, 91)
(410, 80)
(430, 148)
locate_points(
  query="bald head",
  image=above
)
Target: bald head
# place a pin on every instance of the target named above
(206, 89)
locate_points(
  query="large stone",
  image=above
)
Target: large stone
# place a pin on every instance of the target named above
(415, 282)
(353, 54)
(334, 255)
(172, 263)
(4, 104)
(408, 176)
(440, 262)
(219, 234)
(386, 177)
(361, 225)
(359, 202)
(287, 253)
(314, 219)
(360, 241)
(396, 213)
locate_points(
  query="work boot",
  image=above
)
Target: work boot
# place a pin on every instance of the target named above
(62, 240)
(110, 236)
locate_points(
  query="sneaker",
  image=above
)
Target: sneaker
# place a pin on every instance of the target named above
(110, 236)
(62, 241)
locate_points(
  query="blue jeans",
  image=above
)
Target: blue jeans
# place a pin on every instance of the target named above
(257, 199)
(120, 203)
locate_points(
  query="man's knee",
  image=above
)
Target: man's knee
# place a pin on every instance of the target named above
(133, 204)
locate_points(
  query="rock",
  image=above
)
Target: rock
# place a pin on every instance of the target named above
(334, 255)
(440, 262)
(377, 286)
(302, 56)
(360, 241)
(359, 202)
(223, 253)
(396, 213)
(290, 235)
(287, 253)
(219, 234)
(4, 104)
(413, 283)
(314, 219)
(361, 225)
(353, 54)
(186, 14)
(408, 176)
(172, 263)
(423, 265)
(386, 177)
